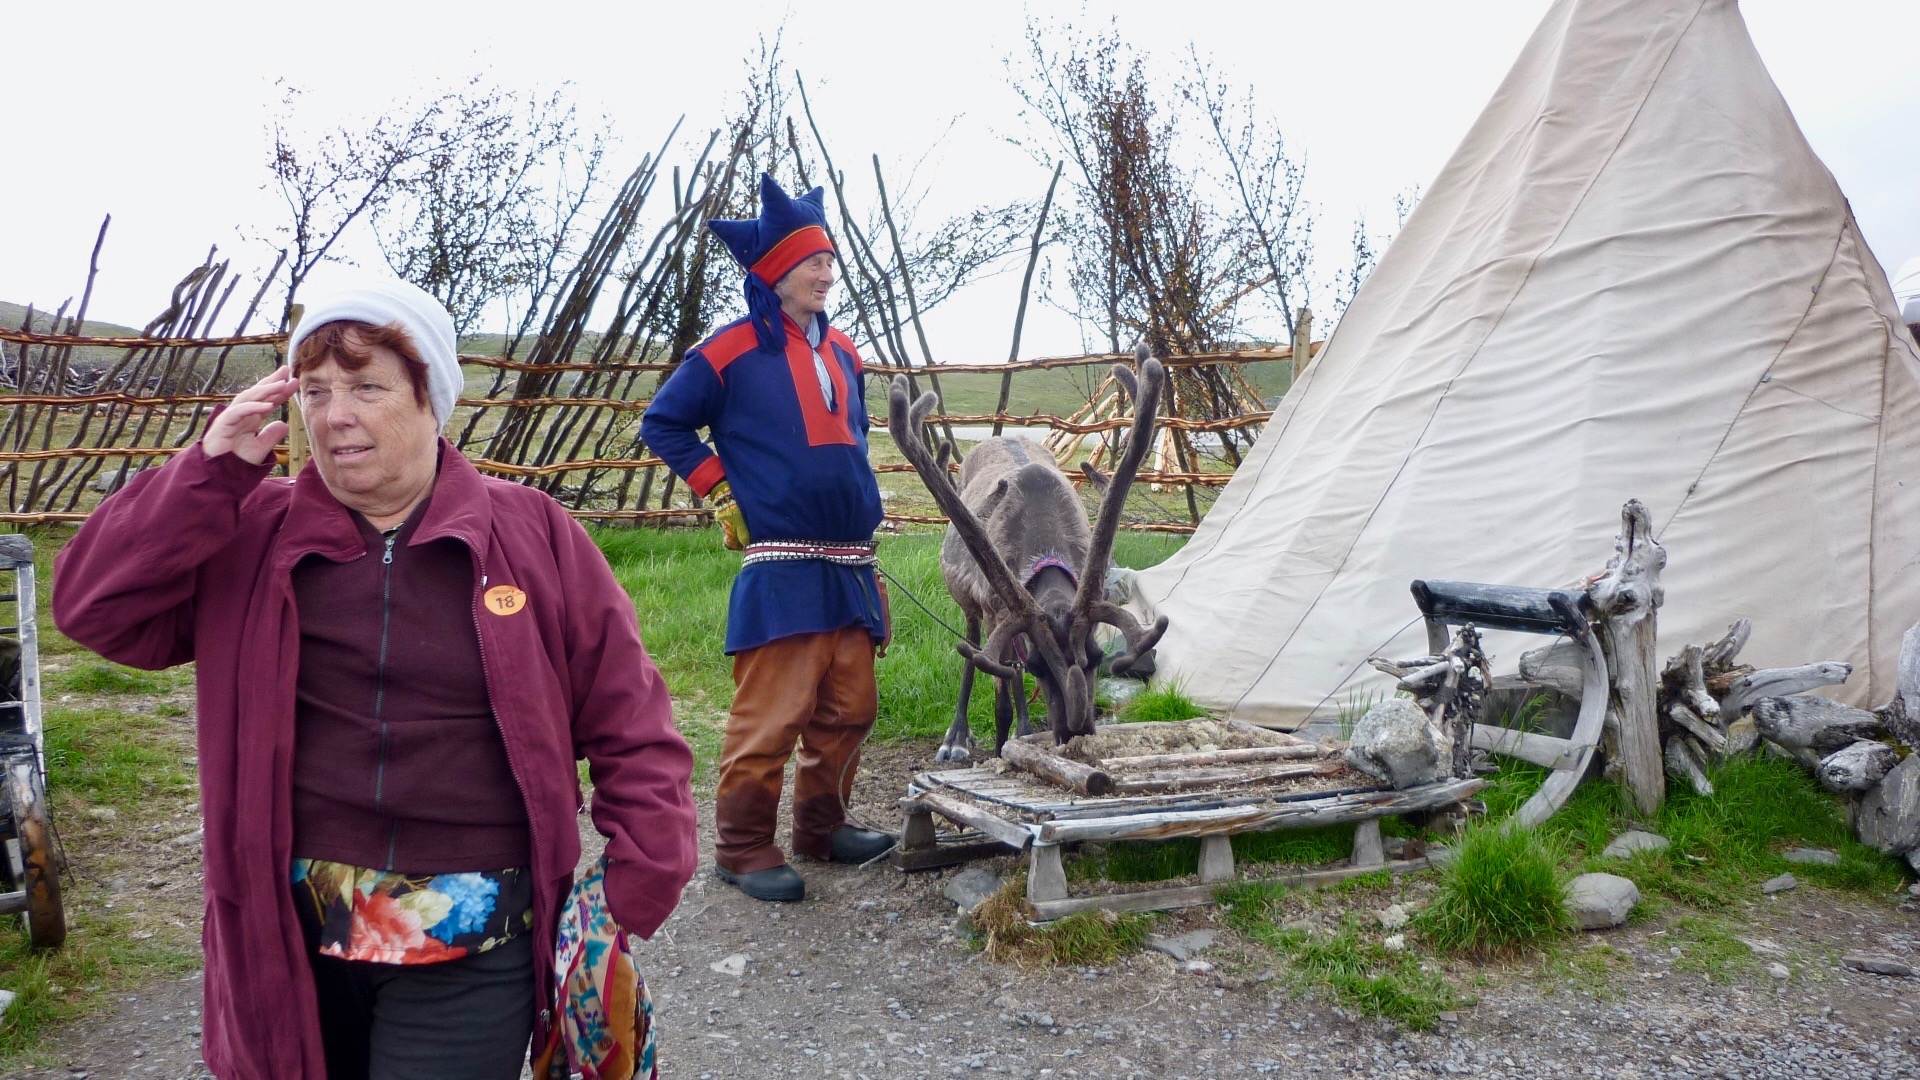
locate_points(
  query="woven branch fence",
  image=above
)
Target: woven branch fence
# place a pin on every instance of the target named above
(66, 440)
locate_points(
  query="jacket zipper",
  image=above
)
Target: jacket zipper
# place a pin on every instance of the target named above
(380, 691)
(513, 766)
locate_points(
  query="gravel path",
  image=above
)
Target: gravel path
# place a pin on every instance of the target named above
(868, 980)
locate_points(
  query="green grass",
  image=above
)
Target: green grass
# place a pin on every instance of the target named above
(104, 677)
(1160, 702)
(680, 580)
(111, 758)
(1708, 947)
(1722, 844)
(1359, 970)
(1002, 931)
(1503, 891)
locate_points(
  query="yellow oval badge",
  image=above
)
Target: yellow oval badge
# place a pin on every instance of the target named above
(505, 599)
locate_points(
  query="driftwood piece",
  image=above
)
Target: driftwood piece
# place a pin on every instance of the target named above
(1063, 771)
(1297, 752)
(1720, 655)
(1687, 720)
(1686, 677)
(1683, 764)
(1332, 810)
(1780, 682)
(1170, 780)
(1857, 767)
(1544, 750)
(1819, 724)
(1556, 667)
(1626, 599)
(1010, 833)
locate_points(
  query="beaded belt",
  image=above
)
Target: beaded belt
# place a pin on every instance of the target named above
(844, 554)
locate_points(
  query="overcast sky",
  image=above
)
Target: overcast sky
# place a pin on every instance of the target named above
(156, 112)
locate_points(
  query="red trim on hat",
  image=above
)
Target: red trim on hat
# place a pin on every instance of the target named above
(799, 246)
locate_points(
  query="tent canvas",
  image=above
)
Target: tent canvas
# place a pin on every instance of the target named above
(1633, 279)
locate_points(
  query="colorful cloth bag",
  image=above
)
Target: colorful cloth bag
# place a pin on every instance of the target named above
(603, 1017)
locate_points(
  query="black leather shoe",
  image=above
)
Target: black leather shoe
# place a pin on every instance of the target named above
(857, 846)
(779, 884)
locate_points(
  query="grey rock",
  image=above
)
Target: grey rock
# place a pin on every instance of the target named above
(1196, 967)
(732, 966)
(1394, 943)
(1888, 818)
(1859, 766)
(102, 813)
(1742, 736)
(7, 998)
(1633, 842)
(1807, 856)
(970, 888)
(1778, 970)
(111, 480)
(1183, 947)
(191, 839)
(1394, 918)
(1783, 883)
(1877, 965)
(1600, 901)
(1396, 742)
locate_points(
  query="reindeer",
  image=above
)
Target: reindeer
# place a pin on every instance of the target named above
(1022, 563)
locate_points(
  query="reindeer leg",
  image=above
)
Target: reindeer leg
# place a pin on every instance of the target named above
(1002, 712)
(1020, 706)
(960, 735)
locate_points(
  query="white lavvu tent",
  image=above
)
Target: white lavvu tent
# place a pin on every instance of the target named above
(1634, 279)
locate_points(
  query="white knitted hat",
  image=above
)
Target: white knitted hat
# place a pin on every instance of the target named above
(381, 301)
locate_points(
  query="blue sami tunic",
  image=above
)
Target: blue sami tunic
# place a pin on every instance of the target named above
(797, 466)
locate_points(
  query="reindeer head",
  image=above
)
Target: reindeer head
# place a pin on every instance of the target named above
(1053, 640)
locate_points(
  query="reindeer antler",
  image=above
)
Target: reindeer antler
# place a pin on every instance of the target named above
(1089, 604)
(904, 423)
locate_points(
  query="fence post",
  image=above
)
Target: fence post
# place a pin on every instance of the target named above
(296, 423)
(1302, 344)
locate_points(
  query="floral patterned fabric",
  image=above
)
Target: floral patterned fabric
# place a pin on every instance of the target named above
(603, 1027)
(394, 918)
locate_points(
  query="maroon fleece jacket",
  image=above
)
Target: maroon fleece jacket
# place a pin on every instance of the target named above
(397, 761)
(193, 562)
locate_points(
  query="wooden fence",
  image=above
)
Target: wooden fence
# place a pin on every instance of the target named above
(571, 429)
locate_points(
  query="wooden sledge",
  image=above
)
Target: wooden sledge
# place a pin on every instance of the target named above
(1013, 810)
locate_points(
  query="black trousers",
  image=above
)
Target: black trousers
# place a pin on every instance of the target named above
(465, 1019)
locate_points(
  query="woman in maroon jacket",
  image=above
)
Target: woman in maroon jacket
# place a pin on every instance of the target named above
(399, 662)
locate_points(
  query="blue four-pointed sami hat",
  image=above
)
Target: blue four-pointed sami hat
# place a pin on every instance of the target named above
(787, 232)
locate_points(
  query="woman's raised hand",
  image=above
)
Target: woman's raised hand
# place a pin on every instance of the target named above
(244, 428)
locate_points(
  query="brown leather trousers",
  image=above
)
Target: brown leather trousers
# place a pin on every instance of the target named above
(816, 690)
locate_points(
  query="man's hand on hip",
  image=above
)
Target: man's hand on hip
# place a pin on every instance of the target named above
(733, 524)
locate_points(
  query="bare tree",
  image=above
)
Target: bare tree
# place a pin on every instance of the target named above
(484, 214)
(1156, 251)
(333, 179)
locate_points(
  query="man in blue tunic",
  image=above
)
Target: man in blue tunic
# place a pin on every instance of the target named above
(782, 395)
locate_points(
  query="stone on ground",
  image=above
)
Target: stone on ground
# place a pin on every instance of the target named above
(1877, 965)
(6, 1001)
(732, 966)
(1778, 970)
(1182, 947)
(970, 888)
(1783, 883)
(1396, 742)
(1633, 842)
(1394, 918)
(1807, 856)
(1600, 901)
(1889, 815)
